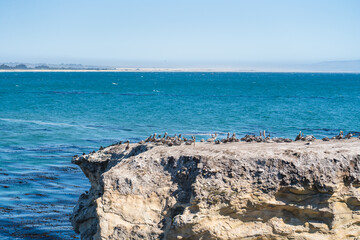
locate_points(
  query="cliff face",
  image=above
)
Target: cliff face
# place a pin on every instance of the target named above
(227, 191)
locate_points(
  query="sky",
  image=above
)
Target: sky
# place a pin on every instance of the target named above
(186, 32)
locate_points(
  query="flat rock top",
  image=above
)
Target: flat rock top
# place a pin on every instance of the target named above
(242, 150)
(324, 163)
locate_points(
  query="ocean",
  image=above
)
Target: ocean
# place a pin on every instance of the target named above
(46, 118)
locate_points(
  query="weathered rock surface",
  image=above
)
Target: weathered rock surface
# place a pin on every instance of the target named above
(225, 191)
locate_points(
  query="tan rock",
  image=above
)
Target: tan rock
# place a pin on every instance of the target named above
(225, 191)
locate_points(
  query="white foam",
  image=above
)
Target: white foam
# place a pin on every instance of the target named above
(43, 123)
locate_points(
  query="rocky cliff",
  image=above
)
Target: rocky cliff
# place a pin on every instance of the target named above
(222, 191)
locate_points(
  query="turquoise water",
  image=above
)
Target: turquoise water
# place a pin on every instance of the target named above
(46, 118)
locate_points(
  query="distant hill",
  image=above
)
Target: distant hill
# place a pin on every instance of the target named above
(351, 66)
(44, 66)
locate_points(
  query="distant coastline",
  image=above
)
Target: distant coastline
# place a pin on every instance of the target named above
(320, 67)
(172, 70)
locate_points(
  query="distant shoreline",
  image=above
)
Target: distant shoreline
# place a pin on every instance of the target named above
(170, 70)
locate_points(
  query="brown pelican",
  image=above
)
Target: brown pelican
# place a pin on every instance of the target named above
(190, 141)
(213, 138)
(309, 138)
(233, 138)
(340, 136)
(298, 137)
(148, 139)
(348, 136)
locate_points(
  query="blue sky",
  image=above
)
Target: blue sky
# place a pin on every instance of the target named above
(113, 32)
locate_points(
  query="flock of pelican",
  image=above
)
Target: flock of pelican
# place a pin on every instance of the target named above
(177, 140)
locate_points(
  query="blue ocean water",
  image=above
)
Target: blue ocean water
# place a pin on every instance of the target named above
(46, 118)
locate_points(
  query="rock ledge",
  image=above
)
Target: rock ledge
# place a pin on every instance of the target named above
(227, 191)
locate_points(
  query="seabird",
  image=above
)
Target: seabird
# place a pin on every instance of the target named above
(340, 136)
(128, 145)
(348, 136)
(299, 137)
(213, 138)
(148, 139)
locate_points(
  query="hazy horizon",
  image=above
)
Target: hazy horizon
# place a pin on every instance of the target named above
(327, 66)
(256, 34)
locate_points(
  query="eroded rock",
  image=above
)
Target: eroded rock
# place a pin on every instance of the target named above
(238, 190)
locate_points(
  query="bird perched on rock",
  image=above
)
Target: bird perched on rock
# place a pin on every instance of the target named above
(191, 141)
(249, 138)
(309, 138)
(148, 139)
(177, 142)
(268, 138)
(213, 138)
(153, 138)
(227, 139)
(278, 140)
(348, 136)
(340, 136)
(299, 137)
(233, 138)
(128, 145)
(326, 139)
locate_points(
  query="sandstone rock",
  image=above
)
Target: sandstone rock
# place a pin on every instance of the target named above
(237, 190)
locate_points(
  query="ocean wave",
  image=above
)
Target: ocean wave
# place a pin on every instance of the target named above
(44, 123)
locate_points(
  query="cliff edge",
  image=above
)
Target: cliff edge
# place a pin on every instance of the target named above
(236, 190)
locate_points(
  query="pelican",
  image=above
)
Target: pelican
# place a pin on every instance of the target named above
(148, 139)
(213, 138)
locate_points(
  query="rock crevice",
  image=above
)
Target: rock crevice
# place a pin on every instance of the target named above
(231, 191)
